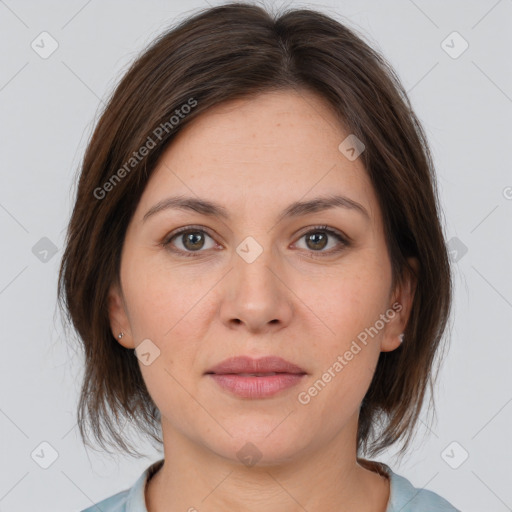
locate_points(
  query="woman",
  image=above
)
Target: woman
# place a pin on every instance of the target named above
(256, 269)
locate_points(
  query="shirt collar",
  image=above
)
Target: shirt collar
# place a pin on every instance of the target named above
(136, 500)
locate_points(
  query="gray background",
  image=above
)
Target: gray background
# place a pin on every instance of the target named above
(48, 107)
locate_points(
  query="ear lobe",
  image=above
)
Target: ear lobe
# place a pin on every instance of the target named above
(118, 318)
(403, 299)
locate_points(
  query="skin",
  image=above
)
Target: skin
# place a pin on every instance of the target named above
(255, 157)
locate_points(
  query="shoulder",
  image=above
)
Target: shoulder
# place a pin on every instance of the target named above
(129, 500)
(404, 497)
(115, 503)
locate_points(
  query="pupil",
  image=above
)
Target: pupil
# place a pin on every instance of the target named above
(193, 238)
(312, 238)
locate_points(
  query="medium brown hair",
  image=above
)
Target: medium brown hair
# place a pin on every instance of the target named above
(230, 52)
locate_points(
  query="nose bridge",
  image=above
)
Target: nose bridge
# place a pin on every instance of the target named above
(255, 294)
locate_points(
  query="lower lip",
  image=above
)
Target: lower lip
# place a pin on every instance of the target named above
(257, 387)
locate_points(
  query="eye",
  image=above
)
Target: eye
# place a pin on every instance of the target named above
(317, 239)
(191, 239)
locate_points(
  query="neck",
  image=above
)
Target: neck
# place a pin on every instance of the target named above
(193, 478)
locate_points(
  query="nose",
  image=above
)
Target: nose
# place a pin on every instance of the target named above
(255, 297)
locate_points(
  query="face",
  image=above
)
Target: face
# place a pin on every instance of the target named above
(310, 285)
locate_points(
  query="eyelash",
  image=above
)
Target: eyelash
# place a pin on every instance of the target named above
(314, 254)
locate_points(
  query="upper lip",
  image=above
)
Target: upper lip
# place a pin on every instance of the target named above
(246, 364)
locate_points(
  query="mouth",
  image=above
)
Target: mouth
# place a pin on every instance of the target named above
(250, 378)
(254, 374)
(264, 366)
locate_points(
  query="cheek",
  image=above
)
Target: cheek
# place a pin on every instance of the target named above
(165, 308)
(348, 353)
(158, 295)
(167, 318)
(349, 303)
(353, 299)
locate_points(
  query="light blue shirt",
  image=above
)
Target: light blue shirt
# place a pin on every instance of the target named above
(404, 497)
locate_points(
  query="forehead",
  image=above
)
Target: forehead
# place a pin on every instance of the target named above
(277, 146)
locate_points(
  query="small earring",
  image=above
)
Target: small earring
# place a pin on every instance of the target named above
(401, 337)
(120, 335)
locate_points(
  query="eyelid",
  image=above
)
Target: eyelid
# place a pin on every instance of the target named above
(184, 229)
(175, 233)
(343, 239)
(323, 227)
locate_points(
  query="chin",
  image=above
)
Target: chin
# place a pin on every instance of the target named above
(260, 444)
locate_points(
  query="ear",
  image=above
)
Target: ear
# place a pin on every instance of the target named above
(401, 305)
(118, 317)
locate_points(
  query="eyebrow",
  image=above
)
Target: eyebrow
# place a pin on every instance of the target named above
(296, 209)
